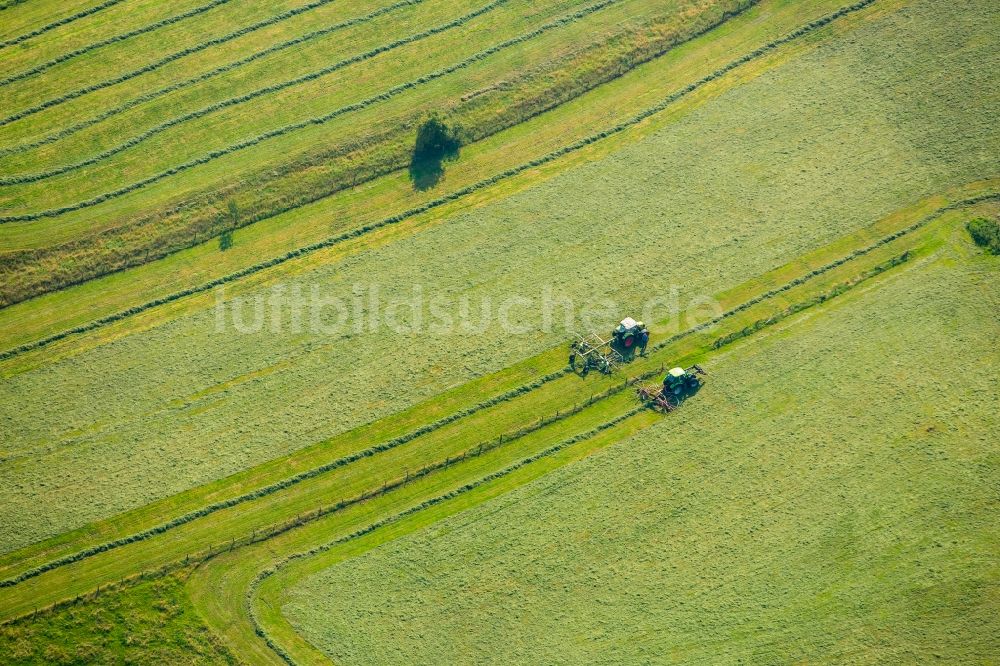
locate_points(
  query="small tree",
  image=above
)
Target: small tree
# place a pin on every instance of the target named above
(986, 233)
(232, 221)
(436, 143)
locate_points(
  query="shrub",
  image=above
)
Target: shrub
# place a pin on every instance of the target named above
(986, 233)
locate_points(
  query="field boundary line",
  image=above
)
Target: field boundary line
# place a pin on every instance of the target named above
(177, 18)
(318, 120)
(177, 55)
(55, 24)
(271, 570)
(24, 179)
(395, 219)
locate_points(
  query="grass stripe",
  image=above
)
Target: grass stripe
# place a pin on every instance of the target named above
(80, 92)
(287, 129)
(111, 40)
(458, 194)
(260, 92)
(270, 571)
(613, 390)
(283, 484)
(55, 24)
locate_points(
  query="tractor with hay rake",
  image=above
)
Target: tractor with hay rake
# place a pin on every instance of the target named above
(593, 352)
(678, 385)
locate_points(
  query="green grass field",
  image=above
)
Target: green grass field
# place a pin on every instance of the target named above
(303, 142)
(202, 420)
(746, 527)
(198, 456)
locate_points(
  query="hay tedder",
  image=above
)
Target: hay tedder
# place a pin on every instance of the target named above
(595, 353)
(678, 385)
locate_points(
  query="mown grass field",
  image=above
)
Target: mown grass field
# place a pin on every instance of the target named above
(752, 525)
(393, 194)
(179, 490)
(298, 156)
(191, 414)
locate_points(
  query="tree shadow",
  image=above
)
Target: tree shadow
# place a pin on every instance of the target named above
(426, 173)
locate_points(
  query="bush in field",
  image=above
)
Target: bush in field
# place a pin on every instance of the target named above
(986, 233)
(436, 142)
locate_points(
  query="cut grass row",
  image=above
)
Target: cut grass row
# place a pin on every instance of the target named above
(303, 100)
(556, 396)
(180, 85)
(533, 164)
(587, 114)
(153, 235)
(116, 39)
(267, 90)
(79, 76)
(66, 20)
(325, 118)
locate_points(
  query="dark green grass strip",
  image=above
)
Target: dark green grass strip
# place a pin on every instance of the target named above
(316, 34)
(55, 24)
(287, 129)
(472, 485)
(111, 40)
(260, 92)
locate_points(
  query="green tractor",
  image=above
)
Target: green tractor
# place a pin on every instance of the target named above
(677, 385)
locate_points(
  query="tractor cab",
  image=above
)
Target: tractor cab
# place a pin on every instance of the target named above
(628, 336)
